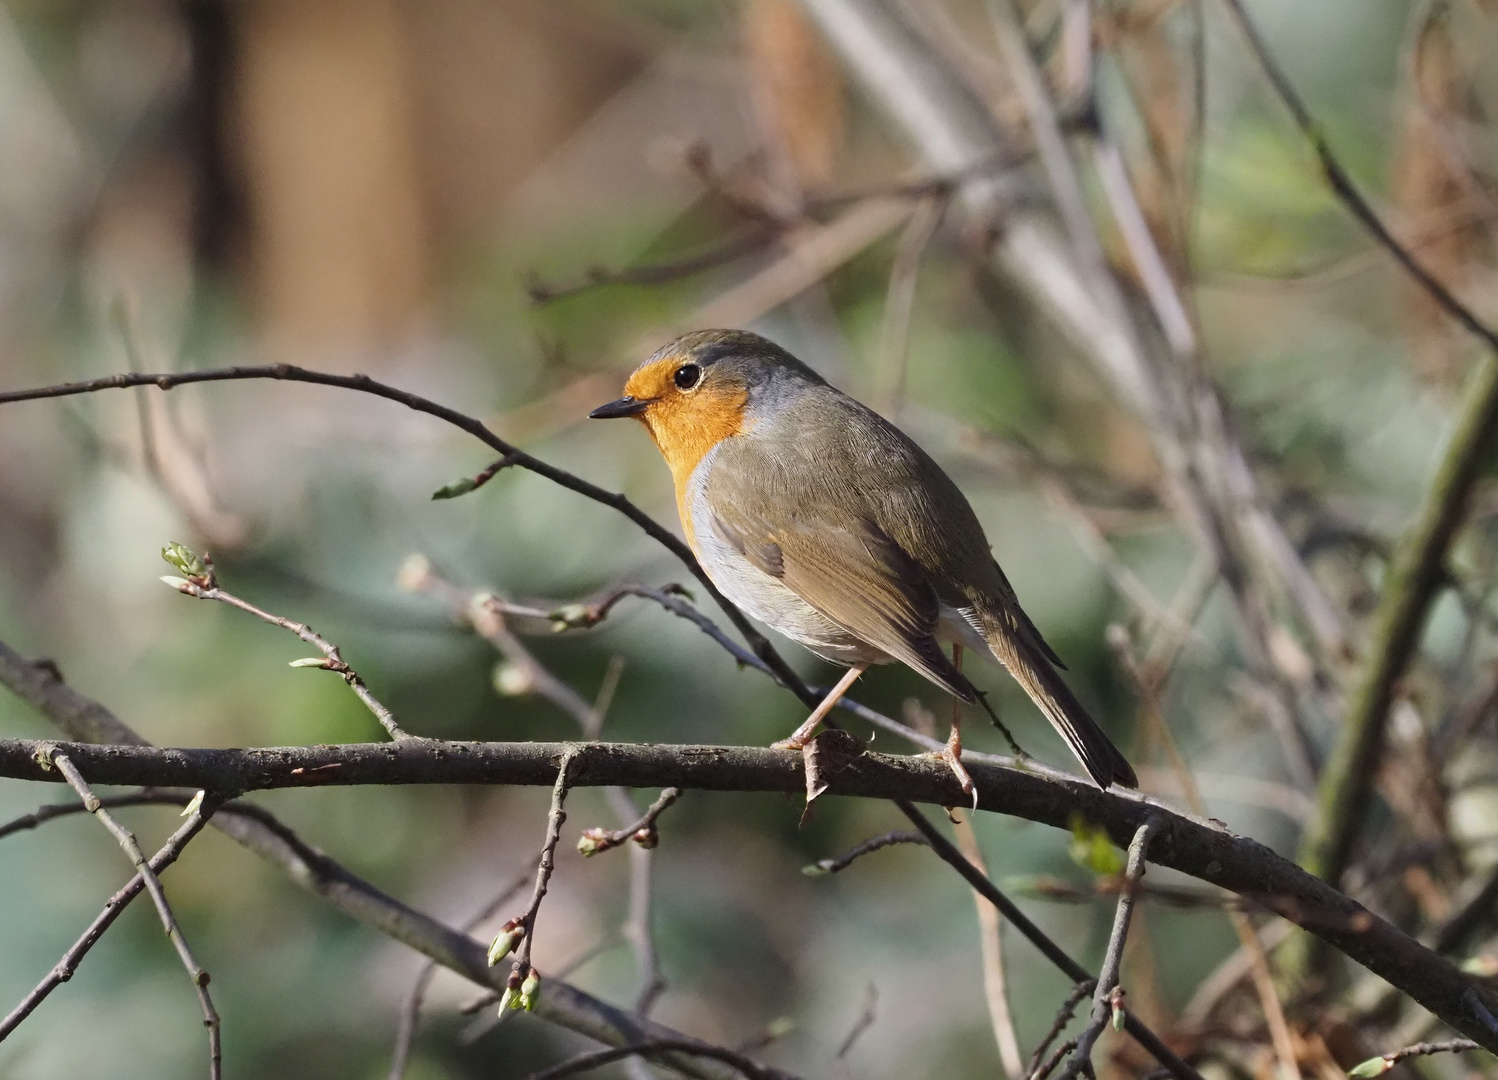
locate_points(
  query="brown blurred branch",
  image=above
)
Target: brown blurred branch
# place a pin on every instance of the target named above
(1416, 574)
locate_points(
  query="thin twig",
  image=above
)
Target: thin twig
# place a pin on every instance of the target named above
(152, 883)
(847, 858)
(642, 831)
(598, 1058)
(51, 811)
(364, 384)
(1058, 1025)
(1384, 1062)
(1037, 937)
(405, 1032)
(866, 1018)
(1108, 996)
(1049, 1065)
(63, 970)
(206, 587)
(522, 972)
(991, 947)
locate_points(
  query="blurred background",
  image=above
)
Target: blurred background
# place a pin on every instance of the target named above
(436, 194)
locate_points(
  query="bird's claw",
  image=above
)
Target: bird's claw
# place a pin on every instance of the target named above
(953, 758)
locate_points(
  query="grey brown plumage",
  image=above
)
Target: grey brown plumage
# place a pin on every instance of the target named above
(825, 521)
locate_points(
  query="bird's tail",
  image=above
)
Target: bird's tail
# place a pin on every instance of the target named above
(1030, 664)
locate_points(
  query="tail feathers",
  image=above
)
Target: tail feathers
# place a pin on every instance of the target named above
(1103, 761)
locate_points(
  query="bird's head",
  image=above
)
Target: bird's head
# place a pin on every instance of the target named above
(705, 387)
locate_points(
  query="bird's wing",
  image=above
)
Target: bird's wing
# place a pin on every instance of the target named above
(847, 568)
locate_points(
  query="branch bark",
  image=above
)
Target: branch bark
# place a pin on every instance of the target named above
(1212, 854)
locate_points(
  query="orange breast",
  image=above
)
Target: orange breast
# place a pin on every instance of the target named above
(685, 428)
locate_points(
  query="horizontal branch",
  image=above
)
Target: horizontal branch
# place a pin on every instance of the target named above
(1193, 847)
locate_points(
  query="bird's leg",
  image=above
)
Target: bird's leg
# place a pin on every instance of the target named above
(802, 735)
(952, 752)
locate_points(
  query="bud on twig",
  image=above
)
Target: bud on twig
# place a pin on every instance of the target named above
(505, 941)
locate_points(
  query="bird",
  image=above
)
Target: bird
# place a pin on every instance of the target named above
(824, 521)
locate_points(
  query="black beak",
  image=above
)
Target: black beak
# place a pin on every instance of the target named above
(625, 406)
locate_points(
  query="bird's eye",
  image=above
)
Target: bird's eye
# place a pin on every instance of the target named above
(687, 376)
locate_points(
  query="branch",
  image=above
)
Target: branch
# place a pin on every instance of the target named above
(64, 968)
(1383, 1063)
(521, 988)
(642, 832)
(1107, 998)
(868, 847)
(1199, 849)
(365, 385)
(202, 583)
(1415, 576)
(598, 1058)
(258, 830)
(152, 883)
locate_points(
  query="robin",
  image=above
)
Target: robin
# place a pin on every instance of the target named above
(824, 521)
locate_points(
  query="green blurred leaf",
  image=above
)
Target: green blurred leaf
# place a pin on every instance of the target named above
(1091, 849)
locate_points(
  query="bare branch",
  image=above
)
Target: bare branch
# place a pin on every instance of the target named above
(1107, 998)
(206, 587)
(405, 1033)
(364, 384)
(145, 878)
(868, 847)
(642, 832)
(598, 1058)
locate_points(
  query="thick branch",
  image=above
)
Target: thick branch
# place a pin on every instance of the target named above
(1238, 864)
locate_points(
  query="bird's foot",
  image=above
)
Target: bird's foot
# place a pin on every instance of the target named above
(952, 755)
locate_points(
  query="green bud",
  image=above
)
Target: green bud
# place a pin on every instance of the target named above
(456, 488)
(184, 559)
(815, 869)
(570, 617)
(1370, 1068)
(530, 990)
(503, 943)
(310, 661)
(193, 806)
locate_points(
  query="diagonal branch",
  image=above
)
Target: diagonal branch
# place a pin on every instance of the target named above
(1415, 576)
(364, 384)
(132, 850)
(63, 970)
(1108, 996)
